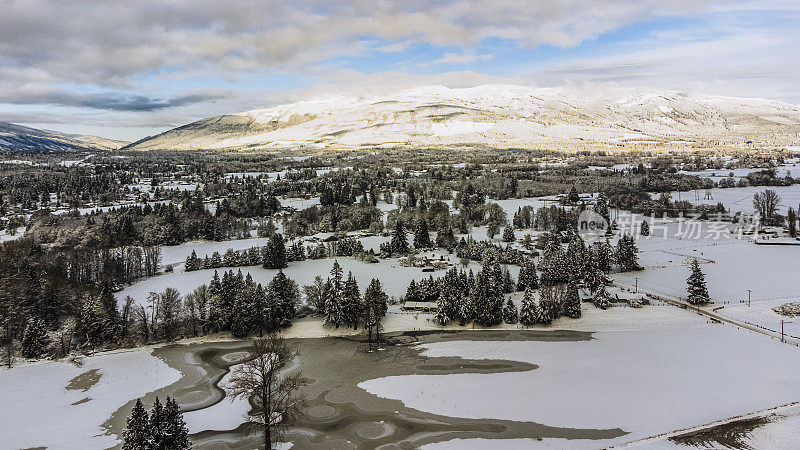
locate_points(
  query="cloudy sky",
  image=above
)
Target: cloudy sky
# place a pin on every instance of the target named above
(130, 68)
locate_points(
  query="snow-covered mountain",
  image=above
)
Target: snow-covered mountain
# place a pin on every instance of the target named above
(496, 116)
(19, 138)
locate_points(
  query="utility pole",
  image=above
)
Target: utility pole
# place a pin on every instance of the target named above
(748, 297)
(637, 285)
(782, 322)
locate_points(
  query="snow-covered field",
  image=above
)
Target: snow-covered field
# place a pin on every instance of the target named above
(741, 199)
(646, 382)
(42, 412)
(394, 278)
(732, 266)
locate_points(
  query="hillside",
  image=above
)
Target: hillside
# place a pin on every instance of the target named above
(496, 116)
(15, 138)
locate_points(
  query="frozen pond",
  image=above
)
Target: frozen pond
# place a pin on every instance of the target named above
(632, 379)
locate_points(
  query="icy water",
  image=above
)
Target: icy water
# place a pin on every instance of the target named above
(342, 415)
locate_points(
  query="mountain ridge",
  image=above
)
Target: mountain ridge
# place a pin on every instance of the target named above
(19, 138)
(501, 116)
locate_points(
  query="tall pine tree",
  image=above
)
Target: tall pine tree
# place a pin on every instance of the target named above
(698, 292)
(422, 238)
(399, 243)
(274, 253)
(529, 312)
(510, 314)
(136, 435)
(572, 303)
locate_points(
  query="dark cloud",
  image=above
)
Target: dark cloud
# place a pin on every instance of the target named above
(106, 101)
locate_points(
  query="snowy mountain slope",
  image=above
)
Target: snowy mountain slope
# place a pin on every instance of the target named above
(19, 138)
(492, 115)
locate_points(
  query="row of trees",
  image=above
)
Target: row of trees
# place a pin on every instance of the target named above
(161, 429)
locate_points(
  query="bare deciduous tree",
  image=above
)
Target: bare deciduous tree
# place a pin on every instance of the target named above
(316, 293)
(766, 204)
(265, 379)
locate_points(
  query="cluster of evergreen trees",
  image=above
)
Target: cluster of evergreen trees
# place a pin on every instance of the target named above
(469, 248)
(237, 304)
(162, 429)
(343, 304)
(274, 255)
(467, 297)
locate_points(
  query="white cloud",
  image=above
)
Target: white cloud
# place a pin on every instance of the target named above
(462, 58)
(140, 52)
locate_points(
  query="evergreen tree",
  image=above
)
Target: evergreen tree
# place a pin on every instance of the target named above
(601, 252)
(508, 234)
(376, 299)
(399, 240)
(554, 264)
(34, 339)
(601, 299)
(645, 229)
(626, 254)
(791, 222)
(333, 304)
(215, 261)
(573, 196)
(244, 314)
(422, 238)
(284, 295)
(593, 277)
(136, 435)
(216, 315)
(445, 237)
(157, 426)
(576, 257)
(527, 276)
(528, 309)
(508, 282)
(698, 292)
(544, 311)
(274, 253)
(572, 303)
(487, 299)
(193, 262)
(412, 293)
(441, 317)
(352, 307)
(263, 310)
(510, 314)
(176, 434)
(601, 207)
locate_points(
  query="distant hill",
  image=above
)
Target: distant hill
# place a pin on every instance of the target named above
(498, 116)
(17, 138)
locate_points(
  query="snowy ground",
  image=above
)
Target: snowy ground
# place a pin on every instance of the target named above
(637, 380)
(393, 277)
(4, 236)
(42, 412)
(732, 266)
(741, 199)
